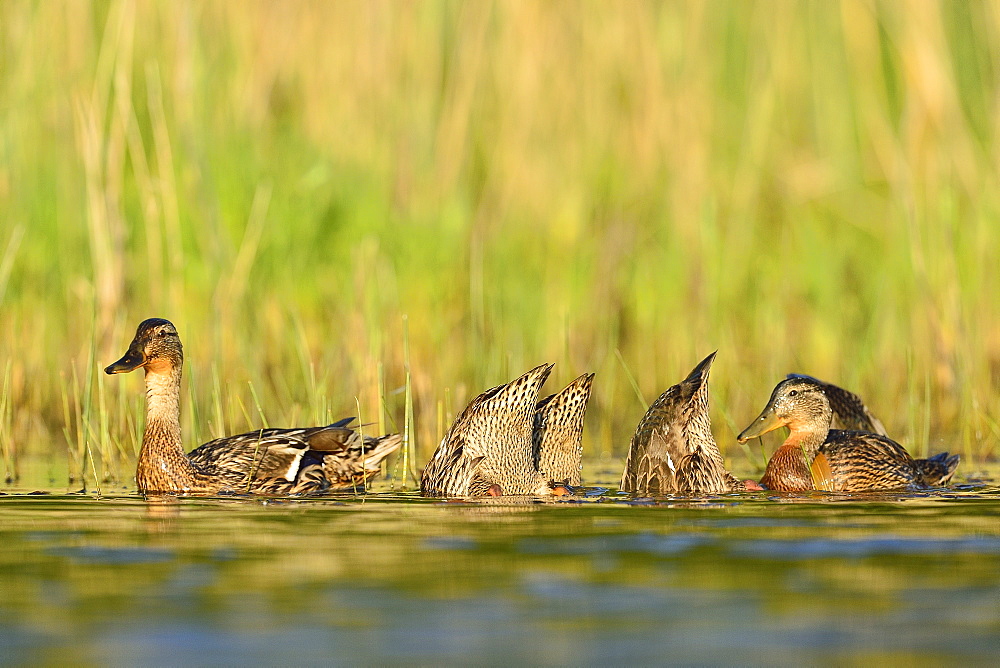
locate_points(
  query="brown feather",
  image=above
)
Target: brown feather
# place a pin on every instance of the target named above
(267, 461)
(814, 456)
(673, 449)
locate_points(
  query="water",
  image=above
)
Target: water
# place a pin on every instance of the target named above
(395, 579)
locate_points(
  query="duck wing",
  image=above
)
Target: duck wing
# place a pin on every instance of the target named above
(255, 455)
(861, 461)
(451, 467)
(295, 460)
(350, 459)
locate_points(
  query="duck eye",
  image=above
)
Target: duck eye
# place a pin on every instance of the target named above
(164, 332)
(793, 393)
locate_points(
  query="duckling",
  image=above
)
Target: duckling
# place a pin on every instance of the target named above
(267, 461)
(814, 456)
(497, 444)
(557, 446)
(673, 450)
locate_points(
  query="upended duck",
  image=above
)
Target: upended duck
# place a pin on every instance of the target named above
(557, 432)
(673, 450)
(814, 456)
(506, 442)
(310, 460)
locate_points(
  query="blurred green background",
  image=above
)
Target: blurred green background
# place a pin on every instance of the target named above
(324, 195)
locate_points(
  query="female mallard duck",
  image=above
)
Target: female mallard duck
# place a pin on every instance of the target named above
(673, 450)
(266, 461)
(814, 456)
(557, 445)
(505, 442)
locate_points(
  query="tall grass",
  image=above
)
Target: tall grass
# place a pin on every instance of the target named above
(804, 186)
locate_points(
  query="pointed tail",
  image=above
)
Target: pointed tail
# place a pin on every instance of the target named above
(937, 470)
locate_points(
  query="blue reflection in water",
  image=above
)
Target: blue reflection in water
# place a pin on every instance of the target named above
(391, 582)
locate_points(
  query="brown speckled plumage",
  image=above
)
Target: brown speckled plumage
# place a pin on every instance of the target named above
(849, 412)
(817, 457)
(488, 449)
(268, 461)
(673, 449)
(557, 447)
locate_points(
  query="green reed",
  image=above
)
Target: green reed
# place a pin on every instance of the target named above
(6, 427)
(804, 186)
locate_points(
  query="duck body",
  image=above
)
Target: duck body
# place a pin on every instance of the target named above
(308, 460)
(847, 461)
(487, 451)
(817, 457)
(673, 450)
(268, 461)
(506, 442)
(557, 432)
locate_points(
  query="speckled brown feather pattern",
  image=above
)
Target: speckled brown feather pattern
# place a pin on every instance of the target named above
(268, 461)
(673, 449)
(557, 446)
(862, 461)
(851, 456)
(490, 444)
(330, 458)
(849, 411)
(172, 470)
(937, 470)
(859, 461)
(787, 471)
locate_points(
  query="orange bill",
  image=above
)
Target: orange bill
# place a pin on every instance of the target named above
(765, 422)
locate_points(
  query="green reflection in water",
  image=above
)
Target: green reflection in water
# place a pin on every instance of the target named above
(393, 578)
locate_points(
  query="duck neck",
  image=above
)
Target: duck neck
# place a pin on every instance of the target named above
(790, 468)
(162, 465)
(807, 440)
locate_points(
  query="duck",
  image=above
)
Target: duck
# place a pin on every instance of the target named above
(815, 456)
(673, 450)
(508, 443)
(557, 432)
(298, 461)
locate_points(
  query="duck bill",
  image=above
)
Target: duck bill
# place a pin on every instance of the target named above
(765, 422)
(130, 361)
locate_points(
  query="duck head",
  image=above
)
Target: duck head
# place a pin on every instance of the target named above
(797, 403)
(156, 347)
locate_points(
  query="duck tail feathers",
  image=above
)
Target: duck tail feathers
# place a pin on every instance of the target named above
(937, 470)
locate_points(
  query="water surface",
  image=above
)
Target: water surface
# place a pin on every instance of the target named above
(391, 578)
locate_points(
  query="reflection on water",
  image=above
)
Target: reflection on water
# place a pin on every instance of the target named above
(394, 579)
